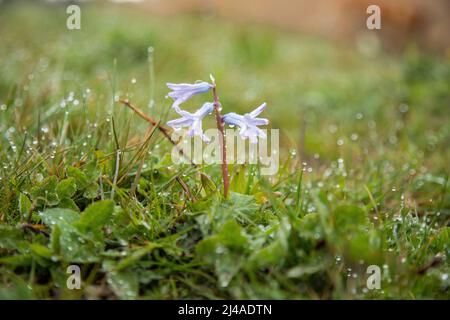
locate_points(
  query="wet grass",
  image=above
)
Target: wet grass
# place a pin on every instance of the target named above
(363, 178)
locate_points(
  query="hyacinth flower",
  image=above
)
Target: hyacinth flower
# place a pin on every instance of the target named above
(184, 91)
(248, 123)
(192, 120)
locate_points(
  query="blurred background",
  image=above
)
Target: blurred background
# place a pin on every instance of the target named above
(343, 20)
(332, 86)
(363, 118)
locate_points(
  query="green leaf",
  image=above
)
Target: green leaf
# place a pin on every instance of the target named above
(276, 252)
(225, 250)
(66, 188)
(242, 207)
(232, 236)
(55, 238)
(74, 246)
(351, 236)
(125, 284)
(136, 256)
(91, 191)
(367, 247)
(24, 204)
(310, 227)
(19, 260)
(81, 180)
(67, 203)
(11, 238)
(269, 255)
(238, 181)
(96, 216)
(208, 184)
(41, 250)
(45, 192)
(17, 288)
(60, 217)
(348, 218)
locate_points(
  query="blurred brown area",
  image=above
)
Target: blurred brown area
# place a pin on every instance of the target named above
(423, 21)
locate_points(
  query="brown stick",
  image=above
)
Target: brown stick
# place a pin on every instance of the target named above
(160, 127)
(220, 127)
(164, 130)
(185, 188)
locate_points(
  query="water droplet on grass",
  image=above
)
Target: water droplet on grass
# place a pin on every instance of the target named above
(403, 108)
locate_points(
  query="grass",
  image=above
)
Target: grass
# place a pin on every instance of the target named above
(363, 178)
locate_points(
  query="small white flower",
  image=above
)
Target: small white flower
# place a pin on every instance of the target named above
(182, 92)
(248, 123)
(192, 120)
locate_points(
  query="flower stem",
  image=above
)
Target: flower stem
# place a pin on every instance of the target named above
(220, 127)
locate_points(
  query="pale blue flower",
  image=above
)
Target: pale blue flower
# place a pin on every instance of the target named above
(192, 120)
(182, 92)
(248, 123)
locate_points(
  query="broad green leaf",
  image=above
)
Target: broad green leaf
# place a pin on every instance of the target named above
(276, 252)
(225, 250)
(91, 191)
(81, 180)
(232, 236)
(45, 192)
(310, 227)
(66, 188)
(367, 247)
(19, 260)
(351, 236)
(11, 238)
(84, 182)
(125, 284)
(271, 254)
(240, 206)
(60, 217)
(41, 250)
(24, 204)
(67, 203)
(74, 245)
(96, 216)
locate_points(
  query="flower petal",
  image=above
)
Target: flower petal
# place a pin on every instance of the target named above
(258, 110)
(257, 121)
(178, 123)
(182, 92)
(206, 109)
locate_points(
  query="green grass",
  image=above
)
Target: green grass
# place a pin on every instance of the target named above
(363, 179)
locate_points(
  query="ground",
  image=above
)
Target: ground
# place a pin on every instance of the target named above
(363, 176)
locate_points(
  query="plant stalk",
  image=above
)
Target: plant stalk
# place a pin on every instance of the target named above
(220, 127)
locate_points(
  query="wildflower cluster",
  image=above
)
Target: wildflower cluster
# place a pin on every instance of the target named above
(248, 123)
